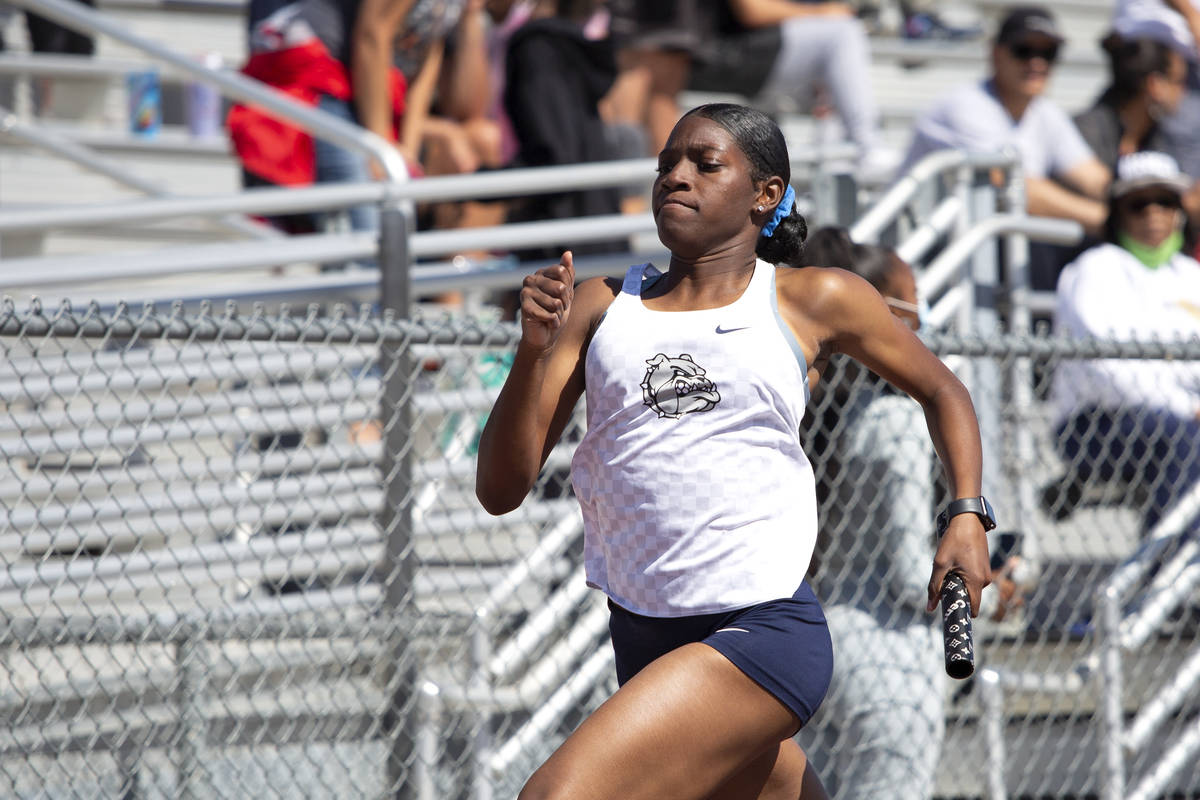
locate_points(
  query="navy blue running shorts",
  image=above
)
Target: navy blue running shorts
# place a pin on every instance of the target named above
(782, 645)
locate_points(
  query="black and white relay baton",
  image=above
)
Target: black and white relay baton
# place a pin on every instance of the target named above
(956, 627)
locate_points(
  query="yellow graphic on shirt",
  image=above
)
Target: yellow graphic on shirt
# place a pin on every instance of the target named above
(1190, 307)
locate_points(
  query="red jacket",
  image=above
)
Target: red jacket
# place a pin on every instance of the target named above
(276, 150)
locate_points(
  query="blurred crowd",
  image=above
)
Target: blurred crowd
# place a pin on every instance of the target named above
(469, 85)
(463, 86)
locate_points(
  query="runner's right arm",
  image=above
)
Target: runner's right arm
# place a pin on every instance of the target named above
(544, 385)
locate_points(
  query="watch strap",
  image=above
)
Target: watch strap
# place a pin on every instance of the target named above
(966, 505)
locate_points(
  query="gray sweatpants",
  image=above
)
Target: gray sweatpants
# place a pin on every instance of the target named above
(833, 52)
(878, 734)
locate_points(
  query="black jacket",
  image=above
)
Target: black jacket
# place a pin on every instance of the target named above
(555, 79)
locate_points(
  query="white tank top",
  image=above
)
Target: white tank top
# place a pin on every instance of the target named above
(696, 494)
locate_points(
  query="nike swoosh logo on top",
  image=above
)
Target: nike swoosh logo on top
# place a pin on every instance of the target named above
(737, 630)
(731, 330)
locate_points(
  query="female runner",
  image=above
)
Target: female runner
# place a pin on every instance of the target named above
(698, 502)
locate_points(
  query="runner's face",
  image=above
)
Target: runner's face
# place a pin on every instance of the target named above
(703, 197)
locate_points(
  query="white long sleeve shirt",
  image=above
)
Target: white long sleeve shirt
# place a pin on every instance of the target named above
(1108, 293)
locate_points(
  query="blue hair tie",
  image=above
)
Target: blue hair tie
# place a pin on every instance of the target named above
(782, 210)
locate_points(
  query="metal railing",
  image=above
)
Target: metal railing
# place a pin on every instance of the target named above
(231, 84)
(70, 150)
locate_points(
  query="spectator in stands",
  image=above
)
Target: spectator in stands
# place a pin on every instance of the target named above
(776, 49)
(374, 62)
(656, 45)
(507, 17)
(1146, 84)
(46, 36)
(1175, 23)
(1136, 421)
(1063, 178)
(881, 725)
(460, 136)
(555, 78)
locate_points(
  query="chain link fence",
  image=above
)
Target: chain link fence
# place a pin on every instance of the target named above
(242, 557)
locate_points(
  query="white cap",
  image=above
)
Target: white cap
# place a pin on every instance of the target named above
(1148, 168)
(1152, 19)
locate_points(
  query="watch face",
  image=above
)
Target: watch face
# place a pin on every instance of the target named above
(987, 510)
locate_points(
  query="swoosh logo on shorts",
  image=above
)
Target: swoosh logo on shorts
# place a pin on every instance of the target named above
(738, 630)
(730, 330)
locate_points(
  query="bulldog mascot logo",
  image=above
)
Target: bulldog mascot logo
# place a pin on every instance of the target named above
(677, 386)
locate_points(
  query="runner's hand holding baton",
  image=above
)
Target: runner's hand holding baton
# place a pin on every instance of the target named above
(960, 565)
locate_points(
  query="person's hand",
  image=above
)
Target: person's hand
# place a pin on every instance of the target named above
(963, 549)
(376, 172)
(546, 297)
(1010, 594)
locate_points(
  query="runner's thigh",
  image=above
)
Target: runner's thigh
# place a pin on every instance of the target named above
(679, 729)
(781, 773)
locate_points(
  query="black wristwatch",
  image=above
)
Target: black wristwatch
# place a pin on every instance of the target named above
(967, 505)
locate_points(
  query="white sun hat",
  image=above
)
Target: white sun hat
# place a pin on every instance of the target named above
(1153, 19)
(1145, 169)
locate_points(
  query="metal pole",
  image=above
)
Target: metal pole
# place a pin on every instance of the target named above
(1022, 374)
(962, 188)
(992, 696)
(429, 730)
(481, 738)
(396, 516)
(1109, 601)
(128, 757)
(981, 318)
(189, 690)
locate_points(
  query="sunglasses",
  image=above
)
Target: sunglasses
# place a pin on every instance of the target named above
(1139, 204)
(1027, 52)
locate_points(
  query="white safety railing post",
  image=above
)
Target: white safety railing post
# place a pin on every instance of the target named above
(429, 743)
(1108, 600)
(992, 699)
(481, 736)
(1020, 323)
(980, 316)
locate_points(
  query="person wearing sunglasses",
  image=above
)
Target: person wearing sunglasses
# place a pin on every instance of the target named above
(1063, 177)
(1135, 421)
